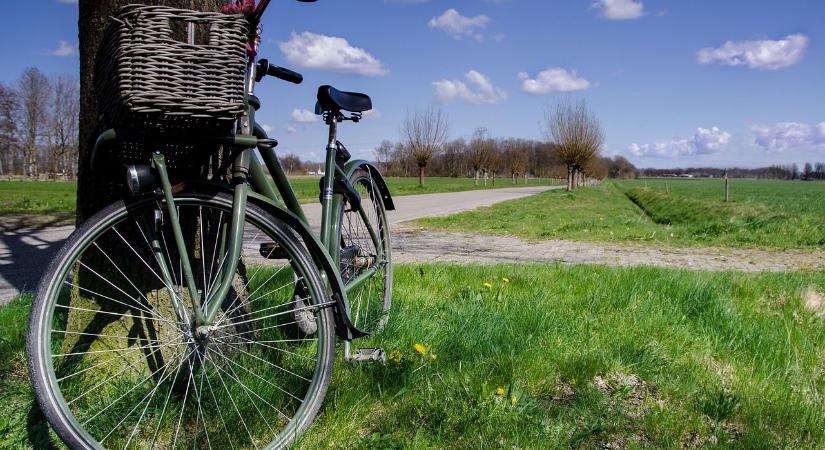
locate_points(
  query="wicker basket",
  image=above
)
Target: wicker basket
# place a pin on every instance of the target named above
(173, 68)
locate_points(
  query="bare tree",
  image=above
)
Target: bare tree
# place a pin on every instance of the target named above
(494, 160)
(8, 128)
(383, 155)
(577, 134)
(34, 92)
(516, 153)
(479, 151)
(291, 163)
(64, 123)
(425, 133)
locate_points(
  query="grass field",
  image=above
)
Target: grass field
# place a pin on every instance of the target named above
(772, 214)
(25, 197)
(558, 357)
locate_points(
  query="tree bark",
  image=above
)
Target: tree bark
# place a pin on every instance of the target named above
(420, 176)
(96, 189)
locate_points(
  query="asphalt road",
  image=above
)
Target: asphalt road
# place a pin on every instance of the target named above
(26, 250)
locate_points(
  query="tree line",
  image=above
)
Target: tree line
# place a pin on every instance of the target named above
(39, 125)
(809, 172)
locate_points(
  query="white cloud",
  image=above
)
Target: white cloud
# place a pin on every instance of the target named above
(553, 79)
(317, 51)
(291, 129)
(757, 54)
(480, 89)
(620, 9)
(64, 49)
(783, 136)
(268, 128)
(458, 26)
(705, 141)
(303, 116)
(373, 114)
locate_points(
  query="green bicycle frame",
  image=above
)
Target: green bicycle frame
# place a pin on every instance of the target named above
(248, 173)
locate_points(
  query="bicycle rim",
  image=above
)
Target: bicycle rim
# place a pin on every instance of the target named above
(370, 302)
(114, 367)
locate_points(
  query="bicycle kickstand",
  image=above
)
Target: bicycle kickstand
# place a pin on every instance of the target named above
(364, 355)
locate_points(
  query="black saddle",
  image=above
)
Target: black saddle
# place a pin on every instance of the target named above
(331, 99)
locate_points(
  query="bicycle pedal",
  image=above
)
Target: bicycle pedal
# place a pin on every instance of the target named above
(363, 355)
(272, 250)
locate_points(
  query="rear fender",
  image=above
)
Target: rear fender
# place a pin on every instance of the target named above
(379, 180)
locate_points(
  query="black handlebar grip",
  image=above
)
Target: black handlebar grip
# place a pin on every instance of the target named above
(285, 74)
(264, 68)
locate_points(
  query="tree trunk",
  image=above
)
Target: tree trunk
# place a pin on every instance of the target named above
(476, 177)
(420, 176)
(494, 178)
(570, 174)
(514, 178)
(96, 189)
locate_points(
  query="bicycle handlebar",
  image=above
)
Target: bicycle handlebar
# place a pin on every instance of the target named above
(264, 68)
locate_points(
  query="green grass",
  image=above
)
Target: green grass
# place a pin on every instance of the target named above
(584, 356)
(27, 197)
(33, 197)
(769, 214)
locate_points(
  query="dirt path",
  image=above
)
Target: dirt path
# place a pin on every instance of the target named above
(417, 245)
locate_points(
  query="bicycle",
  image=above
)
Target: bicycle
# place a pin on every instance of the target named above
(196, 313)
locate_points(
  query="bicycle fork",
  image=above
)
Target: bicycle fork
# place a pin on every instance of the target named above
(206, 307)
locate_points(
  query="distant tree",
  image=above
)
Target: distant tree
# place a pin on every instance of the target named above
(9, 108)
(454, 156)
(33, 91)
(425, 133)
(494, 160)
(63, 126)
(383, 155)
(808, 171)
(291, 163)
(819, 170)
(577, 134)
(479, 151)
(621, 168)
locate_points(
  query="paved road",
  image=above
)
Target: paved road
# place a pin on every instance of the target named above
(26, 250)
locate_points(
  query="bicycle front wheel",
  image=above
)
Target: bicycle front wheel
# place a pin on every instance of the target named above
(366, 250)
(117, 363)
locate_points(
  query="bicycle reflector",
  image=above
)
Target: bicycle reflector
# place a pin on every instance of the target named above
(140, 179)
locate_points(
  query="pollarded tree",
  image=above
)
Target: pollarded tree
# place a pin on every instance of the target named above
(577, 134)
(478, 152)
(425, 132)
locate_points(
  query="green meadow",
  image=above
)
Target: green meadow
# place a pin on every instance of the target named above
(551, 356)
(760, 213)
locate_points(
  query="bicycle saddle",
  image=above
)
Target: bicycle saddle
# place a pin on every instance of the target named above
(331, 99)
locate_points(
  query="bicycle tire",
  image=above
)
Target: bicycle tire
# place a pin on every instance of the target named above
(370, 304)
(61, 401)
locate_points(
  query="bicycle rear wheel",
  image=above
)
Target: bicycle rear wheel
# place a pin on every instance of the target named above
(365, 243)
(116, 365)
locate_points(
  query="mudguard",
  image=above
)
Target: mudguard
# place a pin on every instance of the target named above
(386, 197)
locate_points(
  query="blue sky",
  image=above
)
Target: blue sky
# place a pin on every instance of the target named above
(674, 82)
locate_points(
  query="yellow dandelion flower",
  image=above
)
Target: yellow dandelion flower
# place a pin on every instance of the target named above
(488, 285)
(420, 348)
(513, 399)
(499, 391)
(505, 279)
(395, 356)
(433, 356)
